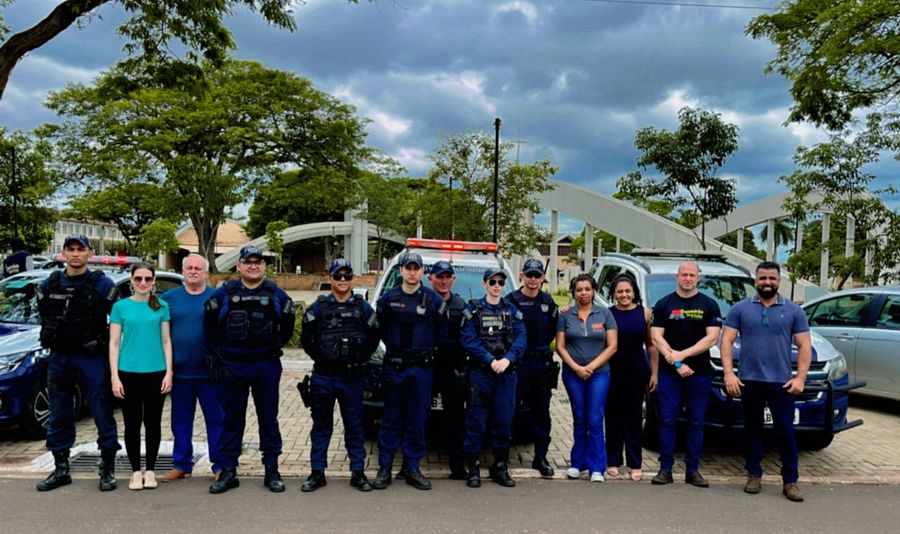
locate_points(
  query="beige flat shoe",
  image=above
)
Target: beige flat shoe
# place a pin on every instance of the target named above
(636, 475)
(137, 481)
(612, 471)
(150, 480)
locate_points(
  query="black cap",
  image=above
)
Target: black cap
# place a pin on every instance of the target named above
(338, 264)
(442, 267)
(251, 250)
(533, 265)
(493, 271)
(410, 257)
(78, 238)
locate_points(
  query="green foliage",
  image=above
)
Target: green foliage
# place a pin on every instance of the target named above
(275, 240)
(158, 236)
(603, 242)
(209, 149)
(749, 243)
(300, 310)
(36, 183)
(784, 232)
(688, 159)
(467, 159)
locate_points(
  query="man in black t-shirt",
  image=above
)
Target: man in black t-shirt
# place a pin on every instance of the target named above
(685, 326)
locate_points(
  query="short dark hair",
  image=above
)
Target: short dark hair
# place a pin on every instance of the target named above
(768, 265)
(628, 279)
(583, 277)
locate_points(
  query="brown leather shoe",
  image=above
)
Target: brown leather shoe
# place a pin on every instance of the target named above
(696, 479)
(175, 474)
(792, 492)
(753, 485)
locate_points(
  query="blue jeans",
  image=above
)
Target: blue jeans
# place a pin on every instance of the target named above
(186, 392)
(241, 379)
(407, 398)
(348, 392)
(693, 392)
(92, 373)
(754, 397)
(533, 390)
(490, 393)
(588, 399)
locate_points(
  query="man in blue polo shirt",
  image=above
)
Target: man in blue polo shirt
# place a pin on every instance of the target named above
(767, 323)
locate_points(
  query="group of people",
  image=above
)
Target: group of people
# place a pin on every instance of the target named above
(486, 357)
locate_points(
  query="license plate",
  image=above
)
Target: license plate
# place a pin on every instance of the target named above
(767, 416)
(437, 403)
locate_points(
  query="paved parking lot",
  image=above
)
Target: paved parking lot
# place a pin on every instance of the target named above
(868, 454)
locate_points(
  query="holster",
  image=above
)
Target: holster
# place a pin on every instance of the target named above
(304, 386)
(215, 366)
(553, 374)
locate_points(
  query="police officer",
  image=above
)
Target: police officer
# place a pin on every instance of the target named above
(493, 337)
(450, 368)
(537, 372)
(74, 304)
(248, 321)
(412, 320)
(340, 333)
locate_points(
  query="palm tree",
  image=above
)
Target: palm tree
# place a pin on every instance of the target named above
(784, 232)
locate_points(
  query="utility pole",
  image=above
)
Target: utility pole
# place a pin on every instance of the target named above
(14, 189)
(496, 171)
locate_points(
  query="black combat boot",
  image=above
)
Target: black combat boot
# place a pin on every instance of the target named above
(273, 479)
(314, 481)
(457, 468)
(542, 465)
(60, 476)
(107, 470)
(473, 477)
(359, 481)
(500, 469)
(227, 479)
(416, 479)
(382, 478)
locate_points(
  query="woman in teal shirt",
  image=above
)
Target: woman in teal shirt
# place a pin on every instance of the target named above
(140, 359)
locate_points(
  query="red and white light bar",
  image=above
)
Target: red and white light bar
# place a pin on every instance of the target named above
(105, 259)
(453, 246)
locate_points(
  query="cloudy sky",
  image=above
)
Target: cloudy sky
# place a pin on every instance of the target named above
(573, 78)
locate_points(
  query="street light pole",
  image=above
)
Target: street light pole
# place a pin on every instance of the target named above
(496, 171)
(14, 189)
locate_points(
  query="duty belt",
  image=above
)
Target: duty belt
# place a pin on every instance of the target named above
(340, 370)
(398, 362)
(252, 357)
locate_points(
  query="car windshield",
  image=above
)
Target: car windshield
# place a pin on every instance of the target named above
(725, 290)
(467, 285)
(18, 303)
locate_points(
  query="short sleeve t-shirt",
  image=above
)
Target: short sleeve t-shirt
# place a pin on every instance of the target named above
(685, 321)
(585, 340)
(189, 345)
(766, 337)
(141, 348)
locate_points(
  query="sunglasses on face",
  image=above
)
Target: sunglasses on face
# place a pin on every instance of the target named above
(340, 277)
(493, 282)
(142, 279)
(533, 275)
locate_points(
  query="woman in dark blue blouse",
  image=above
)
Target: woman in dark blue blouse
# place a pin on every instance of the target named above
(586, 340)
(629, 374)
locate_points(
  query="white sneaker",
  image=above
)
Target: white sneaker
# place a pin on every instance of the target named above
(573, 473)
(596, 476)
(137, 481)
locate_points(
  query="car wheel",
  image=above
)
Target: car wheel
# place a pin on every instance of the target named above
(35, 417)
(650, 434)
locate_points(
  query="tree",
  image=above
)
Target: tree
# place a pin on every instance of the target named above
(689, 159)
(156, 237)
(838, 56)
(275, 240)
(131, 206)
(209, 149)
(389, 206)
(784, 232)
(749, 243)
(152, 28)
(468, 160)
(27, 187)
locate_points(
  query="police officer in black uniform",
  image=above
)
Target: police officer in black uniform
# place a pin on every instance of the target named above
(450, 368)
(340, 333)
(248, 321)
(412, 320)
(538, 373)
(74, 304)
(493, 336)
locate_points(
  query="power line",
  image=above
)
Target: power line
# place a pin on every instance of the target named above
(686, 4)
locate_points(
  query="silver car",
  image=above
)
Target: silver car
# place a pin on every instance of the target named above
(864, 324)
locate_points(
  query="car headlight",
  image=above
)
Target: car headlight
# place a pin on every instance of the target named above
(837, 368)
(11, 362)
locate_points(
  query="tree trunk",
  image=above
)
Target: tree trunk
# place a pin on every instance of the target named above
(62, 16)
(207, 230)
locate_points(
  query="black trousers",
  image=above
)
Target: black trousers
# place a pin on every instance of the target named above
(623, 417)
(142, 406)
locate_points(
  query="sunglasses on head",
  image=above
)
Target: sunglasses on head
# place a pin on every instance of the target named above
(142, 278)
(494, 282)
(342, 276)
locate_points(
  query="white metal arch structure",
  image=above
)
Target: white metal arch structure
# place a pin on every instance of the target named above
(758, 212)
(636, 225)
(227, 261)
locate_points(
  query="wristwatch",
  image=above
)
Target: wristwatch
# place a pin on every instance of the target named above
(677, 364)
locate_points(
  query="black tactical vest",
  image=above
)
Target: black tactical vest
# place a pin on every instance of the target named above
(251, 321)
(494, 328)
(73, 319)
(455, 308)
(342, 330)
(540, 324)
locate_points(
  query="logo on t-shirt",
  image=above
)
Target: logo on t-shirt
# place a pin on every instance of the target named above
(597, 327)
(682, 314)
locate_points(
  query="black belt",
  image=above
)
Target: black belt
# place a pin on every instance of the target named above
(399, 362)
(252, 357)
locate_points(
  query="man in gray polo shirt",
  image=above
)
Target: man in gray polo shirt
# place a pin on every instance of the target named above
(767, 323)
